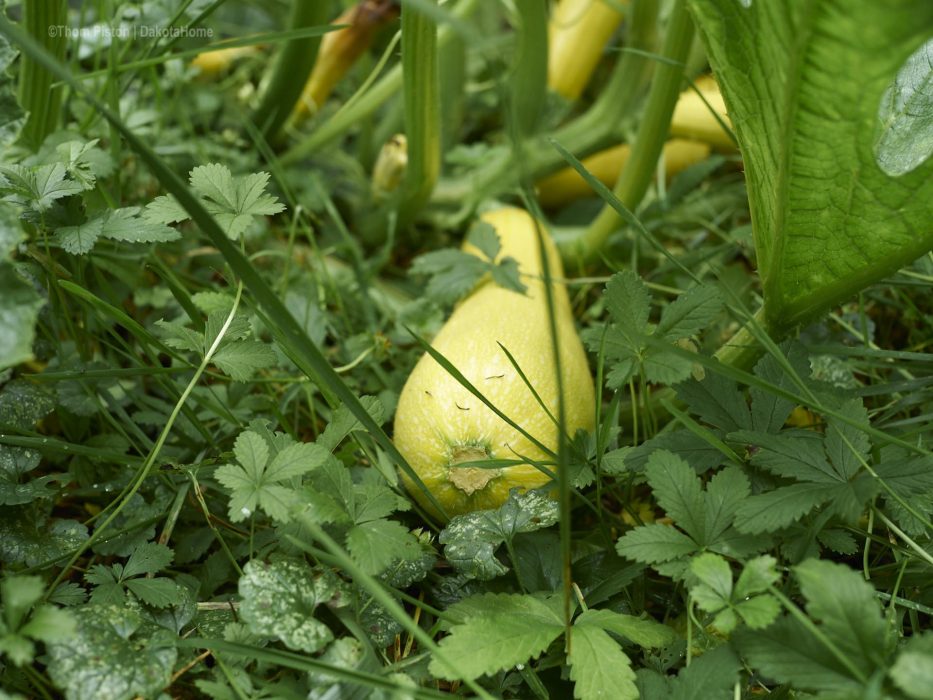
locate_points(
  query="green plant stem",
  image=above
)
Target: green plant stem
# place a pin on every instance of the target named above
(639, 170)
(45, 20)
(528, 82)
(451, 57)
(291, 69)
(355, 112)
(598, 127)
(421, 94)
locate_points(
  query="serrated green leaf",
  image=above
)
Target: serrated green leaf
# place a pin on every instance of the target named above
(295, 460)
(377, 543)
(279, 599)
(521, 628)
(483, 236)
(773, 510)
(628, 302)
(712, 675)
(846, 605)
(241, 359)
(689, 313)
(48, 624)
(149, 558)
(37, 187)
(846, 445)
(725, 493)
(644, 632)
(343, 422)
(126, 225)
(655, 543)
(718, 401)
(157, 592)
(79, 239)
(787, 652)
(678, 491)
(598, 667)
(164, 209)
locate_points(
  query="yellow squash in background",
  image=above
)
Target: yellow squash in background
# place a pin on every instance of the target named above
(439, 424)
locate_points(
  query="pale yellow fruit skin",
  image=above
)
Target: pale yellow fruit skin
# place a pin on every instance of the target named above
(436, 414)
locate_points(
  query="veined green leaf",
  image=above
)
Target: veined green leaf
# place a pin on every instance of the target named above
(803, 81)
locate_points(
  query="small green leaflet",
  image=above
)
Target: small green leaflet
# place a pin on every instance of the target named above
(712, 675)
(854, 638)
(20, 629)
(827, 469)
(279, 599)
(502, 632)
(116, 224)
(496, 632)
(261, 481)
(598, 666)
(233, 201)
(37, 187)
(624, 345)
(712, 589)
(453, 273)
(360, 509)
(239, 356)
(112, 582)
(470, 540)
(704, 517)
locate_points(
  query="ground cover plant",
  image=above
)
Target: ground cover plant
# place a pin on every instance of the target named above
(674, 441)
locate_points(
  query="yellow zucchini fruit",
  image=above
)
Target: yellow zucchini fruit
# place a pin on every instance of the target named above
(578, 31)
(692, 119)
(567, 185)
(340, 49)
(211, 64)
(439, 423)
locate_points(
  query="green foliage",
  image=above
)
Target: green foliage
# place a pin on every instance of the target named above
(470, 540)
(839, 649)
(198, 491)
(279, 599)
(746, 600)
(23, 623)
(704, 517)
(113, 582)
(260, 477)
(801, 157)
(233, 201)
(625, 345)
(116, 654)
(454, 273)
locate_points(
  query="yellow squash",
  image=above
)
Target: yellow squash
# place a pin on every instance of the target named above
(439, 424)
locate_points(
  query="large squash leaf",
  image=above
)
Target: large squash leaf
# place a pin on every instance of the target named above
(804, 81)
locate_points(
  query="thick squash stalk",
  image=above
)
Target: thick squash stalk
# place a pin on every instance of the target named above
(439, 424)
(578, 33)
(567, 185)
(693, 119)
(340, 50)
